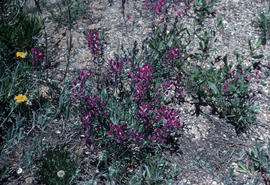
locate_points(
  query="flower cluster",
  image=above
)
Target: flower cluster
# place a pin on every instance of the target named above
(153, 122)
(95, 112)
(142, 79)
(157, 7)
(116, 65)
(173, 53)
(94, 43)
(169, 84)
(187, 4)
(238, 80)
(172, 121)
(158, 123)
(122, 135)
(152, 126)
(149, 123)
(38, 55)
(79, 84)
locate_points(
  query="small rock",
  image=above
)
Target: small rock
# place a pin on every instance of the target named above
(19, 171)
(263, 83)
(58, 132)
(29, 180)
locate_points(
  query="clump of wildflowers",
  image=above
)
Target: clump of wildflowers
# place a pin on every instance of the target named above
(187, 6)
(79, 84)
(174, 53)
(138, 118)
(141, 80)
(94, 43)
(234, 99)
(159, 6)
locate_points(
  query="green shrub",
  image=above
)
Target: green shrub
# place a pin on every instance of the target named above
(263, 21)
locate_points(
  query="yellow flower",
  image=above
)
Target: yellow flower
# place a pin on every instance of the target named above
(20, 98)
(20, 54)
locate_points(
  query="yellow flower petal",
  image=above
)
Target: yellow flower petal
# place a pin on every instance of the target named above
(20, 98)
(21, 54)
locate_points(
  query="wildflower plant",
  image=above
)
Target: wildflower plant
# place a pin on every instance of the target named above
(167, 49)
(57, 167)
(263, 22)
(125, 113)
(226, 89)
(155, 170)
(230, 96)
(258, 163)
(160, 7)
(203, 9)
(128, 110)
(94, 42)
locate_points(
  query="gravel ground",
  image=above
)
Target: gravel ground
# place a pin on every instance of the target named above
(209, 146)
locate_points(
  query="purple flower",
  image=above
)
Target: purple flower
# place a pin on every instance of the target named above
(38, 56)
(116, 66)
(256, 72)
(225, 86)
(128, 17)
(232, 72)
(136, 132)
(142, 79)
(145, 4)
(173, 54)
(96, 47)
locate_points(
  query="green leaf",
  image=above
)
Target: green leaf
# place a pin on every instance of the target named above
(243, 168)
(199, 37)
(257, 56)
(219, 23)
(213, 87)
(198, 29)
(148, 172)
(259, 42)
(202, 45)
(263, 41)
(198, 56)
(212, 50)
(212, 33)
(250, 47)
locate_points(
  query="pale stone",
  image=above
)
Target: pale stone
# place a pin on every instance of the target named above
(58, 132)
(29, 180)
(19, 171)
